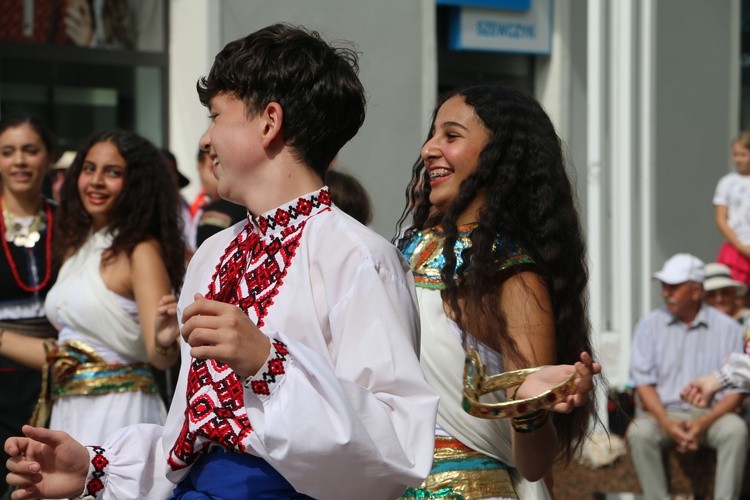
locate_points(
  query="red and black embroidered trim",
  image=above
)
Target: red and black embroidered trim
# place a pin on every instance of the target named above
(274, 368)
(100, 462)
(248, 275)
(303, 207)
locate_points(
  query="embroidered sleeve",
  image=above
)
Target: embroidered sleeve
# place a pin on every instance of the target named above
(723, 377)
(270, 376)
(96, 479)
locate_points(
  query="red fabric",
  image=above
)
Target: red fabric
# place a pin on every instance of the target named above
(47, 22)
(738, 264)
(198, 203)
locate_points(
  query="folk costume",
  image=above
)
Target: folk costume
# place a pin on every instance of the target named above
(473, 456)
(26, 275)
(99, 376)
(340, 409)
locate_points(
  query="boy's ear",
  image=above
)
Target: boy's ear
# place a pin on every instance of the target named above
(273, 118)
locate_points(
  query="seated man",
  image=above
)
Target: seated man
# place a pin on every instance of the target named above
(672, 346)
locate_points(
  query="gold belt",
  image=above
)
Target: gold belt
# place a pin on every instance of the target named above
(76, 369)
(460, 473)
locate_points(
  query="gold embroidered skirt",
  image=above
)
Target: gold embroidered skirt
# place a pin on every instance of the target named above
(460, 473)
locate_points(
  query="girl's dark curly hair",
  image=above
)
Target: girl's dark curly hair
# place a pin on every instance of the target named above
(148, 206)
(528, 200)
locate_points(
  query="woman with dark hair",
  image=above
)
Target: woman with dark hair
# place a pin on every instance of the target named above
(499, 262)
(26, 269)
(119, 240)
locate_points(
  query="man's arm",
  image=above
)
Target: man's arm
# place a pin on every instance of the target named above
(734, 373)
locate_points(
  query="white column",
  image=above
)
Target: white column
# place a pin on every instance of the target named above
(646, 137)
(193, 44)
(594, 134)
(623, 150)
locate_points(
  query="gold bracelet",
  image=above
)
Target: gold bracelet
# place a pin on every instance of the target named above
(164, 350)
(531, 422)
(477, 384)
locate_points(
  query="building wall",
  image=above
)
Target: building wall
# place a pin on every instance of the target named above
(644, 95)
(193, 43)
(392, 37)
(695, 120)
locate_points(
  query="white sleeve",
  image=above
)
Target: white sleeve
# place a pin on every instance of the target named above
(131, 465)
(721, 194)
(736, 371)
(357, 422)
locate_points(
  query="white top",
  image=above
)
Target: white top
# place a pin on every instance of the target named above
(349, 414)
(442, 359)
(82, 307)
(733, 191)
(736, 371)
(82, 302)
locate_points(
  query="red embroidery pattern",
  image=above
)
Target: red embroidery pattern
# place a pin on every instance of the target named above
(274, 367)
(248, 275)
(100, 462)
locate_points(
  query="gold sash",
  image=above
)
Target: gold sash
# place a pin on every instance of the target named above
(460, 473)
(76, 369)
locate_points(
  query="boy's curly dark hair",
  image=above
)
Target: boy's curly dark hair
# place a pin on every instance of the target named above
(530, 201)
(148, 206)
(315, 83)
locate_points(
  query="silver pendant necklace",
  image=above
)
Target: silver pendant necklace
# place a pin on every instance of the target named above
(21, 234)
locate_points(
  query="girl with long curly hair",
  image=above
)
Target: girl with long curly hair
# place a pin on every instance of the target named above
(119, 243)
(499, 263)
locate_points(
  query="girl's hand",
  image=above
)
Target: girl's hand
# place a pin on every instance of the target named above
(166, 327)
(551, 376)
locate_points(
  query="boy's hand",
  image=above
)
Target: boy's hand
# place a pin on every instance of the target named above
(46, 464)
(215, 330)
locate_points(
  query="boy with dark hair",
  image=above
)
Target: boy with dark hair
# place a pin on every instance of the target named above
(300, 328)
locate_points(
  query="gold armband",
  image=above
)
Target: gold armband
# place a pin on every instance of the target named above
(477, 384)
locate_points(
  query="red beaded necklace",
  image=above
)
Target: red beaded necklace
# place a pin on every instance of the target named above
(47, 248)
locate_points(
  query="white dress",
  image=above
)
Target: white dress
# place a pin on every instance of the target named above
(442, 359)
(341, 409)
(82, 307)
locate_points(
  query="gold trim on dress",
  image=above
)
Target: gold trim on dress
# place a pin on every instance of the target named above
(460, 473)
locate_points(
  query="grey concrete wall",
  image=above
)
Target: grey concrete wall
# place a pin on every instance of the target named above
(389, 33)
(693, 129)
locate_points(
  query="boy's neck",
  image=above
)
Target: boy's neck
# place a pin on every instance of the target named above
(284, 183)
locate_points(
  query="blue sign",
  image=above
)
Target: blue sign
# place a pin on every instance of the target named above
(489, 4)
(526, 32)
